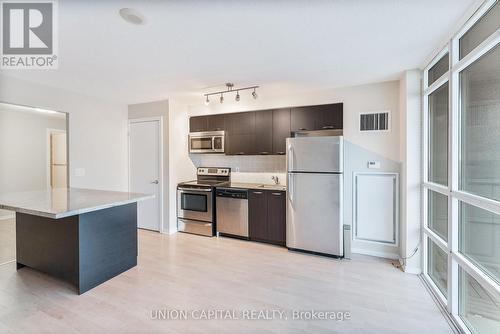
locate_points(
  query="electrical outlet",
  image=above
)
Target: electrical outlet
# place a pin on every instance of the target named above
(237, 169)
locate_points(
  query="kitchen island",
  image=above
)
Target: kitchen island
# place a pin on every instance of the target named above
(82, 236)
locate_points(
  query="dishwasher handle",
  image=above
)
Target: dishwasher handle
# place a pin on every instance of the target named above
(232, 193)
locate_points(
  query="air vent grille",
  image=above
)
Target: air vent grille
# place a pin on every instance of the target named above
(374, 121)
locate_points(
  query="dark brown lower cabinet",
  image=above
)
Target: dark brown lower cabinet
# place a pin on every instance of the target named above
(276, 216)
(266, 216)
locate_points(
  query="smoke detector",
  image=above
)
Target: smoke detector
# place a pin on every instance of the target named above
(132, 16)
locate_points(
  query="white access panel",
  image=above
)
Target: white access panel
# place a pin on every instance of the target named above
(376, 207)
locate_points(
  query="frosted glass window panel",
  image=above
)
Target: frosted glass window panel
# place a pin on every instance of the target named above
(480, 126)
(440, 68)
(481, 30)
(478, 309)
(438, 135)
(438, 214)
(437, 266)
(480, 238)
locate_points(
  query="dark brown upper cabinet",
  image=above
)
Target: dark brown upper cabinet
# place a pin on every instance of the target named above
(216, 122)
(264, 132)
(207, 123)
(267, 216)
(198, 124)
(321, 117)
(240, 133)
(281, 130)
(302, 119)
(329, 116)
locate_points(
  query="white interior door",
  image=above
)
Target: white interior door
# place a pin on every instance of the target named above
(145, 170)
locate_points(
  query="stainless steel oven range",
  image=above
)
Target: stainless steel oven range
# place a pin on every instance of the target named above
(196, 201)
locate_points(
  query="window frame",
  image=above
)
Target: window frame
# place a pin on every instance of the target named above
(455, 259)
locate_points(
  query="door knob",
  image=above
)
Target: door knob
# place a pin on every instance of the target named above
(155, 182)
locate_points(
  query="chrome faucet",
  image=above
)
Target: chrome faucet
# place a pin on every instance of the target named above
(275, 179)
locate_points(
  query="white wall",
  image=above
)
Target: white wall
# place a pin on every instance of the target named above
(24, 162)
(383, 147)
(180, 166)
(23, 149)
(97, 131)
(356, 99)
(157, 109)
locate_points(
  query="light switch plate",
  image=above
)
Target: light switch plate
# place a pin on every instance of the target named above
(374, 164)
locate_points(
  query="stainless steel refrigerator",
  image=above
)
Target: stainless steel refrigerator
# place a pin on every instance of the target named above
(314, 215)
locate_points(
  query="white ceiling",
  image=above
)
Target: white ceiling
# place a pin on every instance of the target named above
(193, 46)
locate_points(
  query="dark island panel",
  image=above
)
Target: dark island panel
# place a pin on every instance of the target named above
(108, 244)
(84, 250)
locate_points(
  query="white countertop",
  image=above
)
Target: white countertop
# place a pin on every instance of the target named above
(65, 202)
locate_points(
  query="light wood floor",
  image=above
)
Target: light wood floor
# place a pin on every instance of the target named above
(188, 272)
(7, 240)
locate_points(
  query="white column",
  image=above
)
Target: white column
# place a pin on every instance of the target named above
(411, 170)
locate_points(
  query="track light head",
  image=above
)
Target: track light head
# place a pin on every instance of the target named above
(221, 98)
(254, 94)
(237, 97)
(207, 101)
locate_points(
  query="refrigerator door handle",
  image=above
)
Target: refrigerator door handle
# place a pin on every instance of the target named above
(290, 158)
(290, 187)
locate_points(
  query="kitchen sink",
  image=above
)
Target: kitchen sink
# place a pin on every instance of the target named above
(271, 186)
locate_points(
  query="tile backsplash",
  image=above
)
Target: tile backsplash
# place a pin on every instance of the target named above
(248, 168)
(242, 163)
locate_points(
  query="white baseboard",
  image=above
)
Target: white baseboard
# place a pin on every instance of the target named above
(385, 255)
(412, 270)
(170, 232)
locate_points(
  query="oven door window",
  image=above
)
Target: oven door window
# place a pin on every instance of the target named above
(201, 143)
(194, 202)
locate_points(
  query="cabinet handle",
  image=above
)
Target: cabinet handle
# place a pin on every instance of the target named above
(264, 153)
(257, 192)
(277, 194)
(328, 127)
(302, 129)
(240, 153)
(281, 153)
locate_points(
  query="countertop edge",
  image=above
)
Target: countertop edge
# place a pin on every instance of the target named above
(74, 212)
(254, 186)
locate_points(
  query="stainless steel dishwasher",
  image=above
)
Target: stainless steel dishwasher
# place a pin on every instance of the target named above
(232, 212)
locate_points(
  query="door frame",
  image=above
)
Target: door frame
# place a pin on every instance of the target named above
(158, 119)
(49, 145)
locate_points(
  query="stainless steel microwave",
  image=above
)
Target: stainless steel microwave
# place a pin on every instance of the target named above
(206, 142)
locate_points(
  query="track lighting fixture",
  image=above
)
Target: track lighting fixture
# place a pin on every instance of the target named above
(230, 89)
(254, 94)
